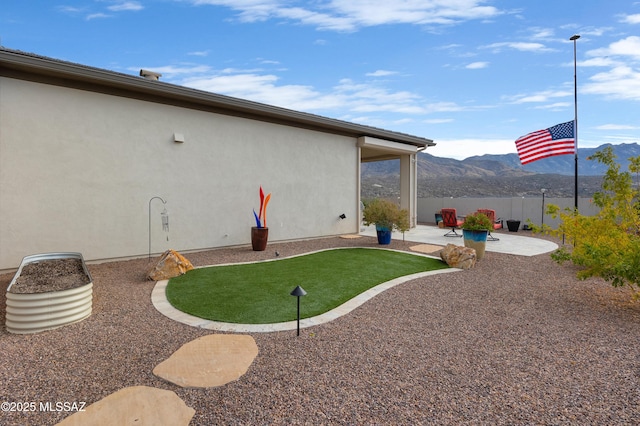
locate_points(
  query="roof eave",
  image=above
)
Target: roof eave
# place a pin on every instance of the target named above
(70, 71)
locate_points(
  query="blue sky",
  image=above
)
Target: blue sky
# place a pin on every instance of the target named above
(472, 75)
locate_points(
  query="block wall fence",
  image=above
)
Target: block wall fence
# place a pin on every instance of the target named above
(516, 208)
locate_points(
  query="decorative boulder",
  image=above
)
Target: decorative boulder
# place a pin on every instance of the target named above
(458, 257)
(171, 264)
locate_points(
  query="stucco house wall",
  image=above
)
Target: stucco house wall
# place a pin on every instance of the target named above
(84, 152)
(78, 171)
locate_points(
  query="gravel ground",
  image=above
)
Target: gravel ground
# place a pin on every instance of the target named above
(516, 340)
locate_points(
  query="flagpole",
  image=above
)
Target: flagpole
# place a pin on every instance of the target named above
(575, 114)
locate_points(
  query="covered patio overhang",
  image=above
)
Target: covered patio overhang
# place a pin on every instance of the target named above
(374, 149)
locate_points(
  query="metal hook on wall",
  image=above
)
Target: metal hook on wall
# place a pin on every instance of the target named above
(165, 220)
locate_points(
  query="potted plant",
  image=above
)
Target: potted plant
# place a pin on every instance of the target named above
(260, 232)
(475, 229)
(387, 216)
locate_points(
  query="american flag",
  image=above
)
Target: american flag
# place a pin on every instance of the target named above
(556, 140)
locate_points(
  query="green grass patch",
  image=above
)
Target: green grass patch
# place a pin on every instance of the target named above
(258, 293)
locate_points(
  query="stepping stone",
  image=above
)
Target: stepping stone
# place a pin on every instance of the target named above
(209, 361)
(350, 237)
(137, 405)
(426, 248)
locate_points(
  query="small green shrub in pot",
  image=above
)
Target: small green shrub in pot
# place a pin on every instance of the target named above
(385, 214)
(475, 228)
(477, 222)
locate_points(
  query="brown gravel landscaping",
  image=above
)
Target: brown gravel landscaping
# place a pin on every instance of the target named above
(50, 275)
(516, 340)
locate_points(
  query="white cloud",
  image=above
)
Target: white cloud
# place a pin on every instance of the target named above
(348, 96)
(171, 70)
(199, 53)
(439, 120)
(542, 33)
(126, 6)
(268, 61)
(465, 148)
(631, 19)
(628, 47)
(597, 62)
(263, 88)
(381, 73)
(350, 15)
(616, 127)
(69, 9)
(97, 16)
(371, 98)
(477, 65)
(539, 97)
(515, 45)
(557, 106)
(622, 82)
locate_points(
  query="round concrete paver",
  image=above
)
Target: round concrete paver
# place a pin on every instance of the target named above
(209, 361)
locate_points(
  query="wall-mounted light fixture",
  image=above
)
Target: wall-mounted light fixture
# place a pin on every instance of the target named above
(178, 138)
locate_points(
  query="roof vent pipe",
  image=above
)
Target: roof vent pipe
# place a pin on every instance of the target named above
(150, 75)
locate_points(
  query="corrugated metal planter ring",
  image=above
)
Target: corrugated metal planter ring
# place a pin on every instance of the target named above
(35, 312)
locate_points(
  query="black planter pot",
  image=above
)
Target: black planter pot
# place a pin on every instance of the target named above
(513, 225)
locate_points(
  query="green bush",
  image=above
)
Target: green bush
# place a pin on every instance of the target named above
(385, 214)
(477, 222)
(606, 245)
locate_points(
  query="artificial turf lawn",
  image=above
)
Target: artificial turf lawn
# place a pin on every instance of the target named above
(258, 293)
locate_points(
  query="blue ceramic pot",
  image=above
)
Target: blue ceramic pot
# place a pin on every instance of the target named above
(384, 235)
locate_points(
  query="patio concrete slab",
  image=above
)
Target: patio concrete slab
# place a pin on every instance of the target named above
(509, 243)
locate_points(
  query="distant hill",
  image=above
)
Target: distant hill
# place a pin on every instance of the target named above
(562, 164)
(494, 175)
(507, 164)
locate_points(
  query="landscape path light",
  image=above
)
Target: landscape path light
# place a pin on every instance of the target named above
(298, 292)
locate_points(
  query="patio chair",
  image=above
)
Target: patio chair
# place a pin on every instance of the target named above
(497, 223)
(450, 220)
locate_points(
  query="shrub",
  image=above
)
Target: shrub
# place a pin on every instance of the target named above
(606, 245)
(477, 222)
(385, 214)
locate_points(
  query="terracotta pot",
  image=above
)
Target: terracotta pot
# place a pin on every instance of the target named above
(259, 238)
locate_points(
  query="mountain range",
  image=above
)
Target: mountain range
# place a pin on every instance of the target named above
(495, 175)
(561, 164)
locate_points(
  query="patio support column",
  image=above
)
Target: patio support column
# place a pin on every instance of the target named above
(409, 187)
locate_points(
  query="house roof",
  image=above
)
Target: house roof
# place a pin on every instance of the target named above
(28, 66)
